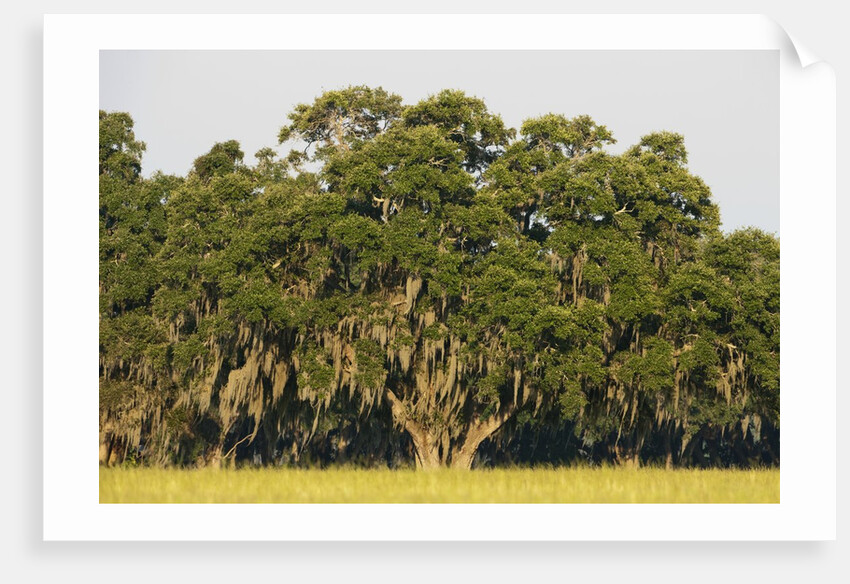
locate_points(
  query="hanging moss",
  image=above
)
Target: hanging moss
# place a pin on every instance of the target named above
(437, 284)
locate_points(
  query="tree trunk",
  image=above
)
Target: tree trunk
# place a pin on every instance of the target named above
(426, 444)
(103, 456)
(426, 448)
(214, 456)
(687, 450)
(342, 443)
(427, 451)
(462, 457)
(114, 453)
(479, 430)
(668, 450)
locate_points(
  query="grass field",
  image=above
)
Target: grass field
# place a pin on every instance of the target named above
(572, 485)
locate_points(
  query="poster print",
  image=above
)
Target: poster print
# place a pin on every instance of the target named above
(399, 289)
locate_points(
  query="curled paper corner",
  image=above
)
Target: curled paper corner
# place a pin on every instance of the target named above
(792, 46)
(804, 55)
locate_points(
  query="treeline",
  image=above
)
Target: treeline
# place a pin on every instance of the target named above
(419, 284)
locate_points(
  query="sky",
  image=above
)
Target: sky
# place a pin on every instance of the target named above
(725, 103)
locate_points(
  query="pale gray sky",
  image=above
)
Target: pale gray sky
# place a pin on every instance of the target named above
(725, 103)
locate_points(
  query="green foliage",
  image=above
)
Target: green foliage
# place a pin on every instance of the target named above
(651, 370)
(491, 281)
(369, 359)
(569, 137)
(316, 375)
(185, 352)
(572, 401)
(130, 336)
(480, 135)
(222, 159)
(342, 118)
(666, 146)
(120, 152)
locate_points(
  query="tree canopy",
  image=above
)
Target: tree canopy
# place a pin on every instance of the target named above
(438, 290)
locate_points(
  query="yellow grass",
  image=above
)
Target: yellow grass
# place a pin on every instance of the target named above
(568, 485)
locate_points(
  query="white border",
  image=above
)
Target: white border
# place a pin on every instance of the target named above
(807, 221)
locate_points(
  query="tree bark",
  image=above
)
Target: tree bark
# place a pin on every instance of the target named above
(103, 456)
(114, 453)
(462, 457)
(426, 444)
(214, 457)
(480, 430)
(426, 447)
(668, 450)
(427, 450)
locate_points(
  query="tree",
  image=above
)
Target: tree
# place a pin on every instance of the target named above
(342, 118)
(120, 152)
(435, 283)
